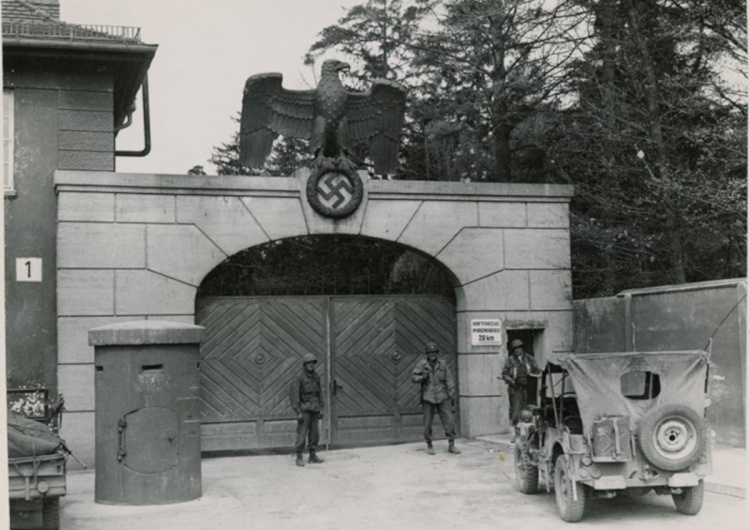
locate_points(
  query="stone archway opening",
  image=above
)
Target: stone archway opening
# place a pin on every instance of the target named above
(364, 307)
(332, 265)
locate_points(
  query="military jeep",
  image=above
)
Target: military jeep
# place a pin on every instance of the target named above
(617, 423)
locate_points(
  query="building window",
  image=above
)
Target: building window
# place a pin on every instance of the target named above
(8, 142)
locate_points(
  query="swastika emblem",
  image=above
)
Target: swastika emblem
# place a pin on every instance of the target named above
(335, 193)
(335, 190)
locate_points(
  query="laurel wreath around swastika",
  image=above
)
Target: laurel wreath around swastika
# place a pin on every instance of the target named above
(334, 193)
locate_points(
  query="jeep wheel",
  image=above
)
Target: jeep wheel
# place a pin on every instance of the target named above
(690, 501)
(570, 510)
(51, 514)
(672, 437)
(527, 474)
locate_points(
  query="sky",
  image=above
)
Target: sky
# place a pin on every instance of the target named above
(207, 49)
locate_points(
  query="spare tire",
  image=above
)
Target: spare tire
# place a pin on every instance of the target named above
(672, 437)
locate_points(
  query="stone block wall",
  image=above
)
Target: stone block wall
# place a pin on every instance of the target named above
(62, 119)
(138, 246)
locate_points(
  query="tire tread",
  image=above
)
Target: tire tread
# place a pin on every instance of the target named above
(51, 514)
(690, 501)
(529, 482)
(570, 510)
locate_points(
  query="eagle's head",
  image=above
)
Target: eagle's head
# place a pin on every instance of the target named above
(333, 66)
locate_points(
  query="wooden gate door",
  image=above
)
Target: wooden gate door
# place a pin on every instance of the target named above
(366, 349)
(252, 350)
(375, 343)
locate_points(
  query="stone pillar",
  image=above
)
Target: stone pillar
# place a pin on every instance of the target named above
(484, 400)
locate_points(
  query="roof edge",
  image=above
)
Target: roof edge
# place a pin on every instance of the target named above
(120, 47)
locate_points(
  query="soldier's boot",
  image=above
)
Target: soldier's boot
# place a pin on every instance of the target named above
(314, 459)
(452, 448)
(300, 460)
(430, 449)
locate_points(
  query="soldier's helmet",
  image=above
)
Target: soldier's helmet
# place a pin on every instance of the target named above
(515, 343)
(309, 358)
(431, 347)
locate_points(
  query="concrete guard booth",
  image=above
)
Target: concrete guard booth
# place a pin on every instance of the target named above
(147, 428)
(137, 246)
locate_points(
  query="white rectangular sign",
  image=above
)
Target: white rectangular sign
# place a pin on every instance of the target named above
(486, 332)
(28, 269)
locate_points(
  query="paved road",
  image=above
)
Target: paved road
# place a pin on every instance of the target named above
(394, 487)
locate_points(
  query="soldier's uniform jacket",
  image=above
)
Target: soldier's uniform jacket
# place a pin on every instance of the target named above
(437, 384)
(516, 369)
(305, 393)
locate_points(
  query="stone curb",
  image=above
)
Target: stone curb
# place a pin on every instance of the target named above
(725, 489)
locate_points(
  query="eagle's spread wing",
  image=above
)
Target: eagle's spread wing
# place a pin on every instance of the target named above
(269, 110)
(376, 116)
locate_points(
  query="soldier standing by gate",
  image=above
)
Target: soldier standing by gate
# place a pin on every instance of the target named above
(438, 393)
(519, 366)
(307, 402)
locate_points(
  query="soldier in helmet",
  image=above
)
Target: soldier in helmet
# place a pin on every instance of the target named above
(438, 394)
(519, 366)
(307, 402)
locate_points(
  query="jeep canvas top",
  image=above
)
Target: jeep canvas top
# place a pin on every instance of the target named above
(611, 423)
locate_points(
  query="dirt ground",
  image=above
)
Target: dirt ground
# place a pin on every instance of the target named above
(391, 487)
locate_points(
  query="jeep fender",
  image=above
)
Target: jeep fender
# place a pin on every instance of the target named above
(572, 464)
(555, 451)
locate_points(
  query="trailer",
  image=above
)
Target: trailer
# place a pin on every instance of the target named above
(37, 459)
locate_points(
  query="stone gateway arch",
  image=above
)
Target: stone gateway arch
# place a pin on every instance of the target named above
(135, 246)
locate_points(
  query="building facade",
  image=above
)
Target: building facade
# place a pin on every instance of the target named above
(133, 246)
(87, 246)
(67, 89)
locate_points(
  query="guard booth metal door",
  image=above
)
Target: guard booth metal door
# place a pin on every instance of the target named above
(366, 349)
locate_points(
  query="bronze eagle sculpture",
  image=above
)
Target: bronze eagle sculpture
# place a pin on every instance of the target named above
(331, 118)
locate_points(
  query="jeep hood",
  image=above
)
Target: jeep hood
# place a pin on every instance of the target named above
(596, 380)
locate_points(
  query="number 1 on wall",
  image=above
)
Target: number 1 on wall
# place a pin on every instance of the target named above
(28, 269)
